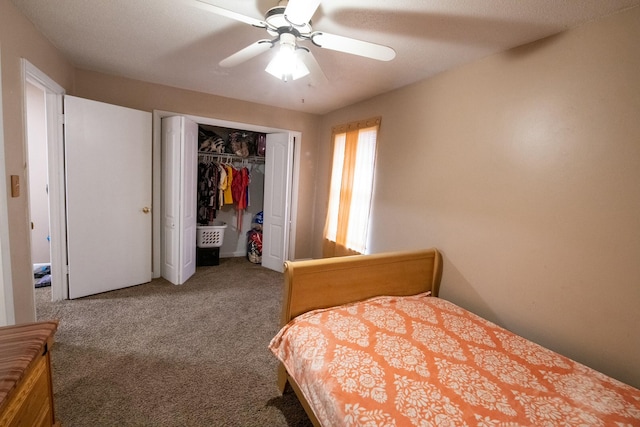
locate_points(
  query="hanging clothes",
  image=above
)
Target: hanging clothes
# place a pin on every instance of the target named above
(248, 202)
(239, 189)
(207, 195)
(223, 183)
(228, 196)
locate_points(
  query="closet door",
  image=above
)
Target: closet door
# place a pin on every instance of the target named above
(179, 186)
(277, 190)
(108, 195)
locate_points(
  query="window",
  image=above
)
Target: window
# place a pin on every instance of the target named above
(354, 155)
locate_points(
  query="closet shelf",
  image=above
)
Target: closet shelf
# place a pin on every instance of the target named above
(226, 157)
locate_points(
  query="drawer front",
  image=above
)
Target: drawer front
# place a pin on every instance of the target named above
(30, 405)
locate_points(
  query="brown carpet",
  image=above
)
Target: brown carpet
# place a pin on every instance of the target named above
(164, 355)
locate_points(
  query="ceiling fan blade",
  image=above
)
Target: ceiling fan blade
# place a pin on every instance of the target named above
(299, 12)
(204, 5)
(317, 75)
(247, 53)
(353, 46)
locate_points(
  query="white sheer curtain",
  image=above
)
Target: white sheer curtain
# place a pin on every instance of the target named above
(336, 179)
(351, 188)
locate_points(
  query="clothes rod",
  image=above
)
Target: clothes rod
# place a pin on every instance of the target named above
(228, 158)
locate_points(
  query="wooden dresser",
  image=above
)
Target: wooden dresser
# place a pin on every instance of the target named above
(26, 393)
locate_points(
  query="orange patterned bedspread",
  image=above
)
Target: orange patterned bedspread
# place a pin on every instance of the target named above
(421, 360)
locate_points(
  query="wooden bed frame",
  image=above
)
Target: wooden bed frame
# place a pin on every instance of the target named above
(328, 282)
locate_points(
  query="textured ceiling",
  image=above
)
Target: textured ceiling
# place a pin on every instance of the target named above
(175, 43)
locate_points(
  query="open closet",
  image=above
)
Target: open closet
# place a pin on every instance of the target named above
(230, 193)
(217, 183)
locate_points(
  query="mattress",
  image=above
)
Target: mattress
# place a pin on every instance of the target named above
(424, 361)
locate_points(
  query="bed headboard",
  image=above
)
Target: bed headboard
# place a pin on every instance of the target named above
(328, 282)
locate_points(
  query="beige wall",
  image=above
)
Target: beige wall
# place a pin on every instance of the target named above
(149, 97)
(19, 39)
(524, 169)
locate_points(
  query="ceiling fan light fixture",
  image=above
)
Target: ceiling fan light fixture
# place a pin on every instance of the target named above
(286, 64)
(286, 23)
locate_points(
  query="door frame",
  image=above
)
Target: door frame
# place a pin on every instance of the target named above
(55, 153)
(295, 139)
(7, 313)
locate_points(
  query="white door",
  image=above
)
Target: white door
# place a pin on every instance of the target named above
(179, 185)
(108, 180)
(277, 190)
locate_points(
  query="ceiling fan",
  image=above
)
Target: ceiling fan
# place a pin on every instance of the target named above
(290, 23)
